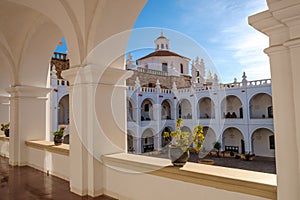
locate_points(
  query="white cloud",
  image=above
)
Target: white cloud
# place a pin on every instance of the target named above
(236, 45)
(247, 46)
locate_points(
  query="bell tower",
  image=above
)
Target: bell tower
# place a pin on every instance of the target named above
(162, 43)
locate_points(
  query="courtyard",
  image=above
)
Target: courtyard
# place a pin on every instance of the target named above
(259, 164)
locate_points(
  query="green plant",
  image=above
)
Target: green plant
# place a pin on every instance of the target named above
(217, 146)
(184, 139)
(60, 132)
(4, 127)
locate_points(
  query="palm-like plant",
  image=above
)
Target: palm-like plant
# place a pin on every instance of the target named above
(4, 127)
(185, 139)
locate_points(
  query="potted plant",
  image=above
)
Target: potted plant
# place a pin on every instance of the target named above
(217, 146)
(248, 156)
(58, 135)
(182, 141)
(5, 129)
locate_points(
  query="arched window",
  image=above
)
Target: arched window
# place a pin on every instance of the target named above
(162, 46)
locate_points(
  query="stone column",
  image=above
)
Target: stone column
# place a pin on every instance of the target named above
(4, 109)
(139, 141)
(281, 23)
(97, 124)
(53, 101)
(28, 120)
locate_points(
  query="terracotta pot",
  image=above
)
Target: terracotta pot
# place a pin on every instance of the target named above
(177, 156)
(58, 140)
(6, 132)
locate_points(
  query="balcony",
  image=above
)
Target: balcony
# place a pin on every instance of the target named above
(125, 172)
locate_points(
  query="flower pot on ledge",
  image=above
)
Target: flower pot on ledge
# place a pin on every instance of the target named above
(177, 156)
(6, 132)
(58, 140)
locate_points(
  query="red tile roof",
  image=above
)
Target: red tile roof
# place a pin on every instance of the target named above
(162, 53)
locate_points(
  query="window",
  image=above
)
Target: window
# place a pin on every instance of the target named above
(197, 73)
(179, 111)
(272, 142)
(146, 108)
(181, 68)
(167, 47)
(270, 112)
(241, 112)
(157, 46)
(165, 67)
(162, 46)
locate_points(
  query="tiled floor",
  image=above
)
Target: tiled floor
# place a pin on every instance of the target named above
(26, 183)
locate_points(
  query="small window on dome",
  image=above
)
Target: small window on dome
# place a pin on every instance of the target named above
(157, 46)
(167, 46)
(181, 68)
(162, 46)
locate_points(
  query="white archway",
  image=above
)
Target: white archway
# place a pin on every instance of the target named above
(260, 106)
(206, 108)
(147, 110)
(184, 109)
(263, 143)
(210, 138)
(131, 110)
(166, 110)
(131, 142)
(231, 107)
(148, 140)
(63, 110)
(233, 138)
(165, 141)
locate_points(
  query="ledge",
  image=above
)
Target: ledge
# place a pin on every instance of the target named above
(4, 138)
(49, 146)
(235, 180)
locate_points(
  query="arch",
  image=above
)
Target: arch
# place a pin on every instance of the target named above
(130, 142)
(166, 110)
(184, 109)
(263, 143)
(232, 107)
(233, 137)
(165, 141)
(6, 77)
(186, 129)
(206, 108)
(147, 110)
(38, 47)
(260, 106)
(148, 140)
(131, 110)
(63, 110)
(8, 65)
(210, 138)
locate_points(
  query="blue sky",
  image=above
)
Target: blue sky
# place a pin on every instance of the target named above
(219, 26)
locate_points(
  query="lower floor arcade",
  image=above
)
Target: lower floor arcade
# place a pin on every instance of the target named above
(259, 142)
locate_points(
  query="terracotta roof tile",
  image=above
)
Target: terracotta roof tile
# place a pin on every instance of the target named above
(162, 53)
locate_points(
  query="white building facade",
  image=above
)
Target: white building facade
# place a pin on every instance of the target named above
(239, 115)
